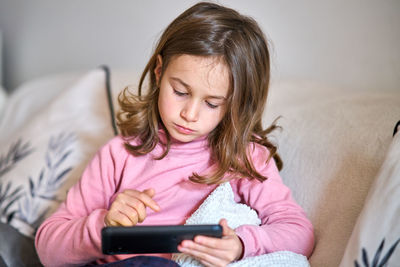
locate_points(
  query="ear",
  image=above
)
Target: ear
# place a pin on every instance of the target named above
(158, 68)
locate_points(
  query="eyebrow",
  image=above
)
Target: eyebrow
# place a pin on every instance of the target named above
(187, 86)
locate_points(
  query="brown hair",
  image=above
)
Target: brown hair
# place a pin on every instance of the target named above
(208, 29)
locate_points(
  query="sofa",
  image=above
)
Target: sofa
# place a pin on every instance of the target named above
(339, 147)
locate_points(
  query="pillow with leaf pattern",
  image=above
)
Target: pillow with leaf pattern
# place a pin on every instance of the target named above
(46, 156)
(376, 235)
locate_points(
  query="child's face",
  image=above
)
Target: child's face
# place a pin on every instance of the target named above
(193, 93)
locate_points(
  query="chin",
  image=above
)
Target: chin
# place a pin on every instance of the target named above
(183, 139)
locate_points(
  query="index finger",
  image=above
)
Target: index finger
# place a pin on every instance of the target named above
(145, 198)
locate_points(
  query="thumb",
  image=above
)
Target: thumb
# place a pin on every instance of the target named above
(226, 230)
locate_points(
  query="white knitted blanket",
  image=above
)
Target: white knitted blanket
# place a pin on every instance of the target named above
(221, 204)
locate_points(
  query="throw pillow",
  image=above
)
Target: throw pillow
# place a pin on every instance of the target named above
(49, 152)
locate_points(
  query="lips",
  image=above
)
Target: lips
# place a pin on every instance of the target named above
(183, 130)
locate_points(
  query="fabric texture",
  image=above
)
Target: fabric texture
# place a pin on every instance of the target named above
(113, 170)
(332, 142)
(41, 159)
(16, 249)
(221, 204)
(378, 224)
(30, 98)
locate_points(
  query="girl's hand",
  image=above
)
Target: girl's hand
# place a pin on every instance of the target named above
(214, 251)
(129, 208)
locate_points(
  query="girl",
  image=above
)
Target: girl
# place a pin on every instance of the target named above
(198, 125)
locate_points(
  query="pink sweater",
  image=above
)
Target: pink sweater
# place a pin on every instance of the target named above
(71, 236)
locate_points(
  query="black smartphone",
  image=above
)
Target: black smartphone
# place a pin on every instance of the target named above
(152, 239)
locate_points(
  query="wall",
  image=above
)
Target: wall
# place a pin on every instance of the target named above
(352, 43)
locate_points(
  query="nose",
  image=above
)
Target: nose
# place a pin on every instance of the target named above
(190, 111)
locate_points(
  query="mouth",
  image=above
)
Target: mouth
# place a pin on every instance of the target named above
(183, 130)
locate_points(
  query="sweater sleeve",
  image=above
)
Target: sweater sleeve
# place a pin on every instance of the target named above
(71, 236)
(284, 225)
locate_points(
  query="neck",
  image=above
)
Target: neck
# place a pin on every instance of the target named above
(179, 148)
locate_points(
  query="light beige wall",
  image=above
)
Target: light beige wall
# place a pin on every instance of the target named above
(351, 43)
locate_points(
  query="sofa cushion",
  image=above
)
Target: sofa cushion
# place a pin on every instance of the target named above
(333, 142)
(377, 232)
(16, 249)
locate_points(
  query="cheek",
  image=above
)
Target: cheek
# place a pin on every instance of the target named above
(166, 105)
(215, 118)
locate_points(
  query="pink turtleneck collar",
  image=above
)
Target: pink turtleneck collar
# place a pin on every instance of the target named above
(178, 148)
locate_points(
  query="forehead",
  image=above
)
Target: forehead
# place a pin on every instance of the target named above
(209, 73)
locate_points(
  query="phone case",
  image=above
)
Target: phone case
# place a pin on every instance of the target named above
(152, 239)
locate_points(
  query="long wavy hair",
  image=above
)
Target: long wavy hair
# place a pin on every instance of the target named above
(209, 30)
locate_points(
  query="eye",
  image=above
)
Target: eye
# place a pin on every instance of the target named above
(179, 93)
(211, 105)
